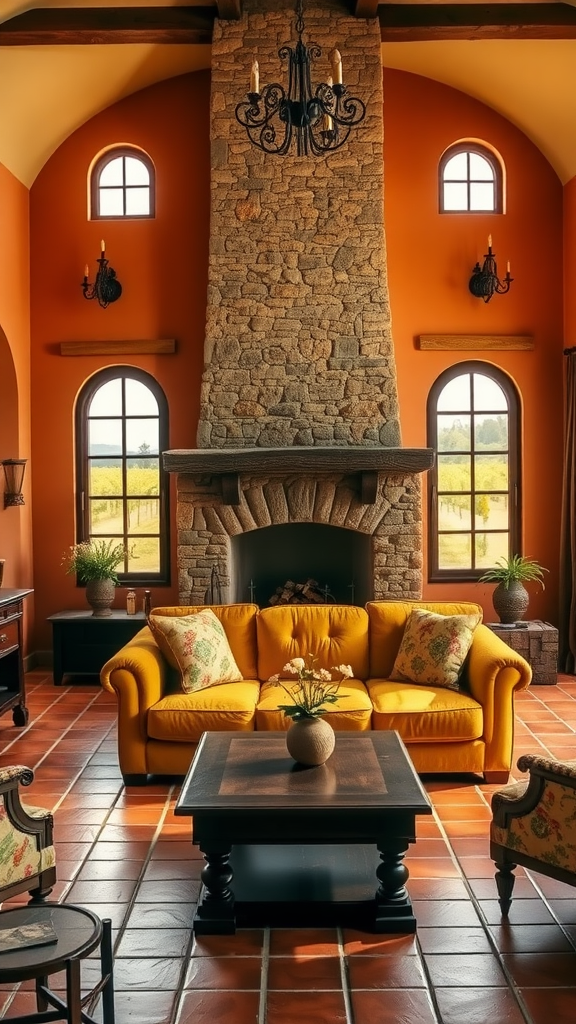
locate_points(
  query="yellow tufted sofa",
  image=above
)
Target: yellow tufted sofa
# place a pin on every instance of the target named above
(446, 731)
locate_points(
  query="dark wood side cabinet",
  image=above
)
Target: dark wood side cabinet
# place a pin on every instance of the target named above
(12, 692)
(83, 642)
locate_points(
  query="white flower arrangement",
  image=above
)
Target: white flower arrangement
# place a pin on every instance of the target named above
(314, 690)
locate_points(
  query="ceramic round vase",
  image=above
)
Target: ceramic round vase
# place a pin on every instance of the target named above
(510, 603)
(310, 741)
(100, 596)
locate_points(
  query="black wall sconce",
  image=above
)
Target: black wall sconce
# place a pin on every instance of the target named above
(485, 282)
(106, 287)
(14, 476)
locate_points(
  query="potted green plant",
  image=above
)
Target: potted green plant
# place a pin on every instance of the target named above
(510, 597)
(310, 740)
(94, 563)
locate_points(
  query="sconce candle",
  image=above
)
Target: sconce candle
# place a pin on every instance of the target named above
(14, 476)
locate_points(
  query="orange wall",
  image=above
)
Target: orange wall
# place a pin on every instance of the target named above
(15, 522)
(430, 261)
(162, 266)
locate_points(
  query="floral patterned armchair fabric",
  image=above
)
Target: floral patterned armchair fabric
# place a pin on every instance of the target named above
(27, 858)
(534, 824)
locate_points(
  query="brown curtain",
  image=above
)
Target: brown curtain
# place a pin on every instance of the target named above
(567, 631)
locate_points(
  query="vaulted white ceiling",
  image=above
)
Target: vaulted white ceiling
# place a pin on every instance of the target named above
(50, 90)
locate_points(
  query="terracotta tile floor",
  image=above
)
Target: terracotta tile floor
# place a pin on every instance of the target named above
(124, 854)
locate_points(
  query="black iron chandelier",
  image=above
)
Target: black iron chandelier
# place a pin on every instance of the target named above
(321, 119)
(485, 282)
(106, 287)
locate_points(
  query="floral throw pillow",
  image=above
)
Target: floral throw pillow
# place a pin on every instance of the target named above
(197, 646)
(434, 648)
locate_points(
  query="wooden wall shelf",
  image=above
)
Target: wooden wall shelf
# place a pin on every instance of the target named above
(475, 342)
(164, 347)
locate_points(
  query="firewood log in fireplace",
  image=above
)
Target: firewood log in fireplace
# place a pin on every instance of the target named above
(301, 593)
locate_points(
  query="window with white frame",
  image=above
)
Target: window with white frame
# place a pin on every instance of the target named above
(470, 180)
(122, 185)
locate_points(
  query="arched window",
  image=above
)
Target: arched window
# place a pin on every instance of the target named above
(121, 487)
(473, 418)
(470, 180)
(122, 185)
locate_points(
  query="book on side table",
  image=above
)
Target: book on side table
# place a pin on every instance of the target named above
(39, 934)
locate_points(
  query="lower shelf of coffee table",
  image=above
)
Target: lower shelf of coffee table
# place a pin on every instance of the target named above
(311, 886)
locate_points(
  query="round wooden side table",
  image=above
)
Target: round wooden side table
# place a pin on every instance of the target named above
(78, 932)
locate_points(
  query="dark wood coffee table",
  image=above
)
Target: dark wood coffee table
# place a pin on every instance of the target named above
(291, 846)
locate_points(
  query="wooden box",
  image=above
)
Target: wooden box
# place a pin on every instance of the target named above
(537, 642)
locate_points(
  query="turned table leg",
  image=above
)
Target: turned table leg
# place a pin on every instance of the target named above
(215, 913)
(393, 906)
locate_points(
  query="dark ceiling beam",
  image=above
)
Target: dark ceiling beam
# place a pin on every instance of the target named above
(60, 26)
(400, 23)
(365, 8)
(230, 10)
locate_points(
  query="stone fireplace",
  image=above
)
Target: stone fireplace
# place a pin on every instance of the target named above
(299, 420)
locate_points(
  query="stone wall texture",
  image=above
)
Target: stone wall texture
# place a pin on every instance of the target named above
(206, 524)
(298, 347)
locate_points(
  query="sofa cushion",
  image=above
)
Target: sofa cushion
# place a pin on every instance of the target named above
(425, 714)
(183, 717)
(334, 634)
(239, 621)
(434, 648)
(196, 645)
(387, 623)
(352, 710)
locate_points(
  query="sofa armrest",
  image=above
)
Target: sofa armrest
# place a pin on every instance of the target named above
(138, 675)
(495, 672)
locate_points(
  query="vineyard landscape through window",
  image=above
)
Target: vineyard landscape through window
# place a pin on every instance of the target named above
(122, 473)
(473, 487)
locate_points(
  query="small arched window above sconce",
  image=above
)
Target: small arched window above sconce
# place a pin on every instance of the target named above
(14, 477)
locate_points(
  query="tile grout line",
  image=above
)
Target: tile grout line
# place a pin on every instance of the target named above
(345, 978)
(263, 998)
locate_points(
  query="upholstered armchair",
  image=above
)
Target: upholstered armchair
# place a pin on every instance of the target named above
(27, 859)
(534, 824)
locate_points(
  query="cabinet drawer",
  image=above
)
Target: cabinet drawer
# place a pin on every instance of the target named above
(9, 610)
(8, 636)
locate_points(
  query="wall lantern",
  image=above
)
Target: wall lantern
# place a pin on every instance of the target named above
(485, 281)
(320, 118)
(106, 287)
(14, 476)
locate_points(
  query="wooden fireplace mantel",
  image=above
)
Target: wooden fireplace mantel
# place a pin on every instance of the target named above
(230, 463)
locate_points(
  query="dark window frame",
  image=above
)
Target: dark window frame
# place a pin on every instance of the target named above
(101, 163)
(491, 158)
(82, 459)
(435, 573)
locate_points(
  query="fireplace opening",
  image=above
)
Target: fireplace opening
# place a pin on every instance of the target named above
(339, 560)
